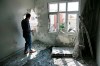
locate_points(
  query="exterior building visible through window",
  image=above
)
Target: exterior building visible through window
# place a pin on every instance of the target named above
(63, 16)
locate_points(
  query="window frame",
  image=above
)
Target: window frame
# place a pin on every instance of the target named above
(73, 12)
(67, 12)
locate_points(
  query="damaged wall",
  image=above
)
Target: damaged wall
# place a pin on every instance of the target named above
(98, 38)
(98, 46)
(43, 34)
(11, 14)
(82, 5)
(78, 46)
(91, 18)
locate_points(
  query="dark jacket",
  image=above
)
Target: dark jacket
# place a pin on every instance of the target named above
(25, 27)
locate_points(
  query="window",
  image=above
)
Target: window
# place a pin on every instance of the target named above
(53, 7)
(72, 13)
(72, 22)
(73, 6)
(53, 22)
(63, 16)
(62, 6)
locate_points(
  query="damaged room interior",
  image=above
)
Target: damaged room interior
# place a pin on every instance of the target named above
(63, 32)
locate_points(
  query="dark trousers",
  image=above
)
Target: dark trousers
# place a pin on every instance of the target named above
(28, 43)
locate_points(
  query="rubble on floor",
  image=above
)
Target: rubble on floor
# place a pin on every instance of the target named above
(42, 57)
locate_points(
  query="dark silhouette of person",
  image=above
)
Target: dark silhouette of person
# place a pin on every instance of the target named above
(27, 34)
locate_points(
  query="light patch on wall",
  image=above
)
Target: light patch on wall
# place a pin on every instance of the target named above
(33, 20)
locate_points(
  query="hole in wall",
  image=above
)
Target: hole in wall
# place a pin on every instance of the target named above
(33, 20)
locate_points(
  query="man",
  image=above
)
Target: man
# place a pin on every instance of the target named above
(27, 34)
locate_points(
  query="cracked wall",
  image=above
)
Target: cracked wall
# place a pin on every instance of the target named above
(12, 13)
(58, 39)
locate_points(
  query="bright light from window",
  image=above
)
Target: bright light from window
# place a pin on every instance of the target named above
(57, 16)
(73, 6)
(72, 22)
(67, 62)
(33, 55)
(53, 7)
(33, 20)
(62, 6)
(53, 23)
(62, 19)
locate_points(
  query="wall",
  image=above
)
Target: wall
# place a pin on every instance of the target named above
(98, 39)
(91, 15)
(98, 47)
(91, 21)
(82, 5)
(11, 14)
(43, 34)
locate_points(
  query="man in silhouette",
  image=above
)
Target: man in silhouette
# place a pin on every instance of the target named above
(27, 34)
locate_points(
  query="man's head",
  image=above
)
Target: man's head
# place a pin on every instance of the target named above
(28, 16)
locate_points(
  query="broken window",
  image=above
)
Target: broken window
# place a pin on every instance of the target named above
(63, 16)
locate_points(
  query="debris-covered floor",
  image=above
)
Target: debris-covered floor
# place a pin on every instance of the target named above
(42, 57)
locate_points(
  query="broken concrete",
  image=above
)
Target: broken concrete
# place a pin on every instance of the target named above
(42, 57)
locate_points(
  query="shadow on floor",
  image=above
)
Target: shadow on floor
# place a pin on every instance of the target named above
(42, 57)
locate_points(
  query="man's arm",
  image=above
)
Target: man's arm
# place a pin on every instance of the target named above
(34, 30)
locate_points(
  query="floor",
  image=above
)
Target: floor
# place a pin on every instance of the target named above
(42, 57)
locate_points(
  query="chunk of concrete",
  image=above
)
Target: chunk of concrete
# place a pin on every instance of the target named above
(62, 51)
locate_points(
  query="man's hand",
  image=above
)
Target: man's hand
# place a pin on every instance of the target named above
(33, 30)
